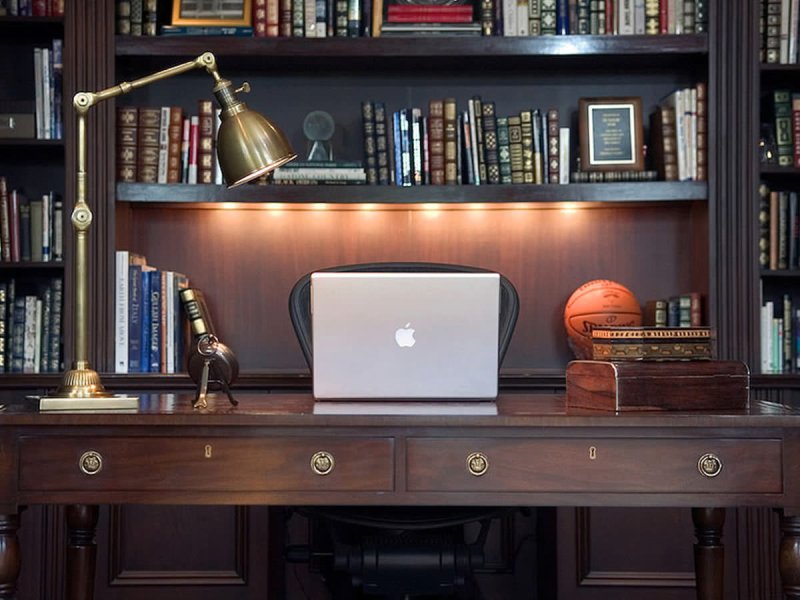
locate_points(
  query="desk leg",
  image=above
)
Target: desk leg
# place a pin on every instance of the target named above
(709, 553)
(81, 551)
(789, 558)
(9, 556)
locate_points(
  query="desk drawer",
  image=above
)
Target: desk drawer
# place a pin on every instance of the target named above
(666, 465)
(210, 464)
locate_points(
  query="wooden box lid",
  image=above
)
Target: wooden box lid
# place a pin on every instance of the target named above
(677, 385)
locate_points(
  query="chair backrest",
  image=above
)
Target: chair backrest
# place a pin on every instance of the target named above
(300, 299)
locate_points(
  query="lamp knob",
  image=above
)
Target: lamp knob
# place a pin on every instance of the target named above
(245, 89)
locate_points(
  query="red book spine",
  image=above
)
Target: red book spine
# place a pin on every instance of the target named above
(663, 16)
(13, 229)
(796, 128)
(429, 18)
(259, 18)
(397, 9)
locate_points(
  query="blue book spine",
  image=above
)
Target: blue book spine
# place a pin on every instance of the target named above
(398, 151)
(155, 321)
(144, 326)
(562, 17)
(134, 318)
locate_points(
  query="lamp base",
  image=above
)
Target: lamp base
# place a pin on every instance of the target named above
(81, 389)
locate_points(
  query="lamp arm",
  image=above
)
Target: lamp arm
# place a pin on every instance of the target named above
(81, 213)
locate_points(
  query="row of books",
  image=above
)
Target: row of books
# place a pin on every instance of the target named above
(780, 128)
(32, 8)
(31, 229)
(779, 26)
(779, 229)
(364, 18)
(149, 329)
(469, 146)
(599, 17)
(681, 310)
(780, 336)
(31, 326)
(679, 137)
(165, 145)
(48, 71)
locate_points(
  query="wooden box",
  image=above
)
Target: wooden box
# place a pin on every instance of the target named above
(673, 385)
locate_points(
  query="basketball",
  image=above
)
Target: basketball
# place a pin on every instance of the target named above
(598, 302)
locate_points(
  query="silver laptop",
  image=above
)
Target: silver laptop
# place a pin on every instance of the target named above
(405, 335)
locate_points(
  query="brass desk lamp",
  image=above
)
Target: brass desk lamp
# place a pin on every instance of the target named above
(248, 145)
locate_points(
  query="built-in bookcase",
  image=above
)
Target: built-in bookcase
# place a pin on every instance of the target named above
(32, 164)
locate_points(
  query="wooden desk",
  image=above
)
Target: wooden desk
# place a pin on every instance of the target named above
(272, 450)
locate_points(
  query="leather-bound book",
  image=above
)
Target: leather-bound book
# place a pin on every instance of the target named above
(503, 150)
(702, 131)
(370, 145)
(553, 154)
(489, 125)
(148, 144)
(663, 143)
(515, 149)
(205, 142)
(450, 142)
(436, 140)
(174, 143)
(382, 145)
(526, 140)
(127, 143)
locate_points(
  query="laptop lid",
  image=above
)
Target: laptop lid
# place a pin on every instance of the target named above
(405, 335)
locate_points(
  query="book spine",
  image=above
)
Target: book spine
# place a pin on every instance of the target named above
(549, 17)
(782, 106)
(284, 18)
(489, 125)
(503, 150)
(763, 226)
(127, 143)
(134, 318)
(417, 153)
(701, 138)
(527, 133)
(535, 16)
(163, 144)
(564, 158)
(155, 321)
(450, 144)
(205, 142)
(148, 144)
(4, 341)
(260, 18)
(174, 140)
(121, 307)
(56, 320)
(123, 17)
(515, 150)
(5, 222)
(553, 154)
(194, 144)
(436, 137)
(370, 142)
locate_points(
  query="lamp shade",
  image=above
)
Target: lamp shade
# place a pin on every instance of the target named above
(249, 145)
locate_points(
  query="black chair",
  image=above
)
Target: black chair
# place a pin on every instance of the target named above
(300, 299)
(425, 549)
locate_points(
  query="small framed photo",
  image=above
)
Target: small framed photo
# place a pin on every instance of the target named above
(211, 12)
(611, 134)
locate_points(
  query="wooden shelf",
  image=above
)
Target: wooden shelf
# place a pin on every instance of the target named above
(361, 52)
(660, 191)
(28, 266)
(778, 170)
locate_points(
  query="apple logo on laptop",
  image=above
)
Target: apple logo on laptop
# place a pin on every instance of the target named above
(405, 336)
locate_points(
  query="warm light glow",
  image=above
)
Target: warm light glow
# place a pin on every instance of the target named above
(320, 206)
(368, 206)
(569, 207)
(229, 205)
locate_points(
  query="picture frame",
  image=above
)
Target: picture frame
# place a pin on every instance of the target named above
(611, 134)
(212, 12)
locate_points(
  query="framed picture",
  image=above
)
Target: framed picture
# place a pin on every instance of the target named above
(211, 12)
(611, 134)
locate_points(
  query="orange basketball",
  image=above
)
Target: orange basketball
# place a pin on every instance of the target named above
(598, 302)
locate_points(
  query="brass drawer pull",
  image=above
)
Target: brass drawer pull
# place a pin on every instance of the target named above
(709, 465)
(91, 462)
(322, 463)
(477, 464)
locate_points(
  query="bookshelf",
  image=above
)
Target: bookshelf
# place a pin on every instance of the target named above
(33, 167)
(245, 248)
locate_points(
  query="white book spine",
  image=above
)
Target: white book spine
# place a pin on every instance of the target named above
(47, 207)
(168, 298)
(638, 17)
(625, 17)
(523, 19)
(693, 133)
(121, 313)
(473, 136)
(510, 18)
(47, 94)
(563, 149)
(29, 333)
(37, 351)
(163, 145)
(187, 127)
(784, 32)
(38, 92)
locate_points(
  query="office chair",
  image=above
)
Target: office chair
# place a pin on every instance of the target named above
(396, 552)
